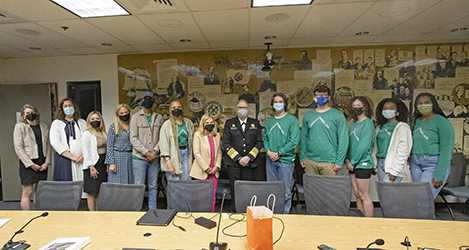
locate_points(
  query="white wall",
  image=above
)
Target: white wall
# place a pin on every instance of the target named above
(64, 69)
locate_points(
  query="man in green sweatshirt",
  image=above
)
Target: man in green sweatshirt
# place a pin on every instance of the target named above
(281, 136)
(324, 137)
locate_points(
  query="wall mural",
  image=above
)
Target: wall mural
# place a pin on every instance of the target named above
(213, 81)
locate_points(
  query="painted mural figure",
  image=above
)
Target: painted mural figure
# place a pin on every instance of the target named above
(305, 63)
(345, 63)
(211, 78)
(175, 88)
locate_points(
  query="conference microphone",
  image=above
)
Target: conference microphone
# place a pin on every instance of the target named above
(378, 242)
(219, 245)
(406, 242)
(20, 245)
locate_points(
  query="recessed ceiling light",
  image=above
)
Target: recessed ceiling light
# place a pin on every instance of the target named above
(459, 29)
(106, 44)
(185, 40)
(92, 8)
(362, 33)
(28, 32)
(35, 48)
(278, 17)
(268, 3)
(170, 23)
(269, 37)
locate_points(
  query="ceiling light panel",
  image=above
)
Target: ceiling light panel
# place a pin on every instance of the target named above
(92, 8)
(268, 3)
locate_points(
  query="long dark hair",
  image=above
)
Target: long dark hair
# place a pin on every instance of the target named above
(401, 113)
(366, 107)
(59, 113)
(435, 107)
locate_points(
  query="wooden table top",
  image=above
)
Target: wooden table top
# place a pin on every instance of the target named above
(116, 230)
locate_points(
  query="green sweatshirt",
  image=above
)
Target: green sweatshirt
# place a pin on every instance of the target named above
(324, 137)
(384, 138)
(282, 135)
(435, 137)
(361, 144)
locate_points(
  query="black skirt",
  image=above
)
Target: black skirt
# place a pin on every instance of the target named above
(28, 176)
(90, 185)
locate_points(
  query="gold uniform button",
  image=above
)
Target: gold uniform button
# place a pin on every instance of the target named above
(244, 145)
(245, 150)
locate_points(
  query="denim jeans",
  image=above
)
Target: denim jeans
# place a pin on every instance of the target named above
(422, 168)
(382, 175)
(184, 165)
(140, 168)
(278, 171)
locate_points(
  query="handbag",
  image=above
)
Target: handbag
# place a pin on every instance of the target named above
(259, 225)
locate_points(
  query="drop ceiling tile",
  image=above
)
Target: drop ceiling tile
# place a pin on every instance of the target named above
(117, 49)
(275, 42)
(260, 27)
(310, 42)
(142, 7)
(352, 40)
(35, 10)
(329, 19)
(395, 38)
(18, 54)
(224, 25)
(462, 23)
(229, 45)
(82, 31)
(128, 29)
(383, 16)
(188, 29)
(152, 47)
(4, 48)
(84, 51)
(190, 46)
(203, 5)
(52, 52)
(441, 37)
(19, 42)
(439, 15)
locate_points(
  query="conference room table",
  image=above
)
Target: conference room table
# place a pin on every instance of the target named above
(116, 230)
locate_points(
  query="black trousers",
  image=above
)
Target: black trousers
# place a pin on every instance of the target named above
(239, 173)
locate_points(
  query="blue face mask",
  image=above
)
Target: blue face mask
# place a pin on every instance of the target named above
(69, 111)
(279, 106)
(388, 114)
(321, 101)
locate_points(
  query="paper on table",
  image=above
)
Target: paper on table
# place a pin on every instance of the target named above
(3, 222)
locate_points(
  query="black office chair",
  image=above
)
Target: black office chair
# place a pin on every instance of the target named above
(412, 200)
(327, 195)
(120, 197)
(190, 196)
(58, 195)
(245, 190)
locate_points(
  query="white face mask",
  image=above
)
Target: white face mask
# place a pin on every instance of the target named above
(388, 114)
(242, 112)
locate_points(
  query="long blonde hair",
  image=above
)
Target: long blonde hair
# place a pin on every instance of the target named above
(174, 128)
(202, 125)
(29, 106)
(118, 126)
(95, 131)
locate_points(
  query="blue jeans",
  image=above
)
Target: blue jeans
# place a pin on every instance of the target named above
(422, 168)
(382, 175)
(140, 168)
(184, 165)
(278, 171)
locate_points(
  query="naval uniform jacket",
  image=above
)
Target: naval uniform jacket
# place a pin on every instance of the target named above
(237, 143)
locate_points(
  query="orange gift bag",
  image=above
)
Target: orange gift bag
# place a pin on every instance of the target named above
(259, 225)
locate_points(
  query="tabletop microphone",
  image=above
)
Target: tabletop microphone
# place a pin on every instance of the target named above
(20, 245)
(378, 242)
(219, 245)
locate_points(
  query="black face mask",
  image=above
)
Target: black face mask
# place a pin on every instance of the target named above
(358, 111)
(124, 118)
(147, 103)
(31, 117)
(95, 124)
(209, 127)
(176, 112)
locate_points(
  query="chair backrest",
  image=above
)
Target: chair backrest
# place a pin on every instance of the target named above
(190, 196)
(406, 200)
(457, 173)
(245, 190)
(58, 195)
(120, 197)
(327, 195)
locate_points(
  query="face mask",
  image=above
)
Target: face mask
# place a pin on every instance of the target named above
(95, 124)
(358, 111)
(31, 117)
(124, 118)
(69, 111)
(321, 101)
(425, 109)
(388, 114)
(279, 106)
(147, 103)
(209, 127)
(242, 112)
(176, 112)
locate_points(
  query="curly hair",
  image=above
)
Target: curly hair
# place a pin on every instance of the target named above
(401, 113)
(366, 107)
(60, 115)
(435, 107)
